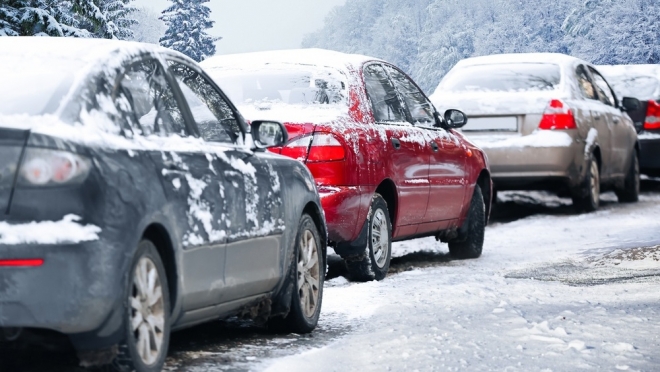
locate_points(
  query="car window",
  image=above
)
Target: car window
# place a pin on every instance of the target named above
(213, 115)
(503, 77)
(421, 110)
(604, 91)
(151, 99)
(384, 100)
(586, 88)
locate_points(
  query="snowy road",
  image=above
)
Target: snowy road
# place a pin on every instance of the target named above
(553, 291)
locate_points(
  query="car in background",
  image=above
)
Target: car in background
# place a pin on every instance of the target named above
(643, 83)
(134, 202)
(387, 165)
(547, 122)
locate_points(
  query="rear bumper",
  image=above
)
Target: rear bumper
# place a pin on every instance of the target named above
(649, 159)
(514, 167)
(75, 290)
(343, 206)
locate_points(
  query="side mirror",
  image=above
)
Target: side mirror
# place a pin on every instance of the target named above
(268, 134)
(455, 119)
(630, 104)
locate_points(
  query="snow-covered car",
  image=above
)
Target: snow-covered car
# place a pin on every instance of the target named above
(548, 122)
(387, 165)
(643, 83)
(134, 202)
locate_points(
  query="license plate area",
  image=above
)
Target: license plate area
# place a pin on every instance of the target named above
(492, 124)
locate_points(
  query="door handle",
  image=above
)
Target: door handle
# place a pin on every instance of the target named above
(434, 146)
(615, 120)
(396, 143)
(596, 117)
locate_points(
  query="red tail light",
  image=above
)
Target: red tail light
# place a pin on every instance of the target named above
(557, 116)
(325, 147)
(27, 262)
(652, 116)
(297, 148)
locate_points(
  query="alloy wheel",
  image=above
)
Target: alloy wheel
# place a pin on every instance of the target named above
(147, 311)
(308, 273)
(380, 238)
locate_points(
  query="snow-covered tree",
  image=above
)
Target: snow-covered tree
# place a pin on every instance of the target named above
(108, 19)
(40, 18)
(187, 22)
(148, 28)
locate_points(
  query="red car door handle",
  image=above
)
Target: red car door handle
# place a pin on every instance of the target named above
(435, 147)
(396, 143)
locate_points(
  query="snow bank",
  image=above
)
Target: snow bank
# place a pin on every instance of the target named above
(65, 231)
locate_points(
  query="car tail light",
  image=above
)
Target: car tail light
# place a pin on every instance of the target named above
(557, 116)
(22, 262)
(43, 167)
(652, 120)
(325, 147)
(298, 148)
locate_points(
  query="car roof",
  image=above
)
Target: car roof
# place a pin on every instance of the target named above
(311, 56)
(556, 58)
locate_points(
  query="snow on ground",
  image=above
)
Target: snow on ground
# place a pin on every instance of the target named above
(560, 292)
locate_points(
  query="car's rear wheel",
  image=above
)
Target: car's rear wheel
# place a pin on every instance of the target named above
(309, 267)
(147, 313)
(374, 263)
(471, 244)
(630, 191)
(587, 198)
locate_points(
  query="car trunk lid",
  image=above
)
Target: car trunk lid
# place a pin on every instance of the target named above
(12, 142)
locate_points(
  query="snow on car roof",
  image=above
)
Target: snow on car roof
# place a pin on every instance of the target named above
(312, 56)
(556, 58)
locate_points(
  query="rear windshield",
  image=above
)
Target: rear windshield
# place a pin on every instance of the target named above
(34, 86)
(506, 77)
(641, 87)
(290, 84)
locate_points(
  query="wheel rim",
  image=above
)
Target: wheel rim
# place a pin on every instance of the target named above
(595, 183)
(147, 311)
(380, 238)
(308, 274)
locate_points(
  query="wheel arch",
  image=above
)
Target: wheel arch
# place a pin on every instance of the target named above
(387, 189)
(316, 213)
(158, 234)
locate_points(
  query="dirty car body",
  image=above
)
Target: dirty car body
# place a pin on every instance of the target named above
(364, 129)
(540, 118)
(92, 165)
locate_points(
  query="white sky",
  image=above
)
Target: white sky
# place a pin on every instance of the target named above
(255, 25)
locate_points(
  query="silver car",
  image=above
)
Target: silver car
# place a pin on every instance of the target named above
(547, 122)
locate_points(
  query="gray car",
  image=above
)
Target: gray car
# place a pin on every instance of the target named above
(135, 200)
(547, 122)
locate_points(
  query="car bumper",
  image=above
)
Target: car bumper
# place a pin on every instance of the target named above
(524, 166)
(342, 206)
(649, 157)
(73, 291)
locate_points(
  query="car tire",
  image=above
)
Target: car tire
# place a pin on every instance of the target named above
(630, 191)
(471, 244)
(374, 263)
(146, 313)
(307, 295)
(587, 198)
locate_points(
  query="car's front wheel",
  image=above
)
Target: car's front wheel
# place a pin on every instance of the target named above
(146, 314)
(471, 244)
(374, 263)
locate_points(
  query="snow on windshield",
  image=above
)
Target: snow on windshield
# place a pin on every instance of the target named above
(503, 77)
(289, 92)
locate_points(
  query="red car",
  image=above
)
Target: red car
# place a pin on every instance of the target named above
(388, 167)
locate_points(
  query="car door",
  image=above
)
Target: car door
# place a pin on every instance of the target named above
(447, 176)
(405, 155)
(599, 118)
(188, 177)
(620, 138)
(252, 212)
